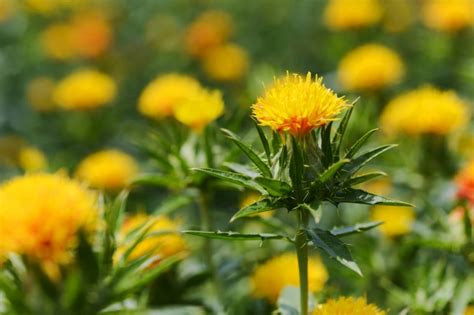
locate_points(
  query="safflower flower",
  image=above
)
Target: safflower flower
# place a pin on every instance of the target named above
(347, 306)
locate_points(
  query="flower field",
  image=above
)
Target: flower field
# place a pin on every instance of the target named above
(192, 157)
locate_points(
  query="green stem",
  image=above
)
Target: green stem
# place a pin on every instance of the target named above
(301, 244)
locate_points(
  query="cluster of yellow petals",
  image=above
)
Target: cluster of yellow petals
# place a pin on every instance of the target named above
(39, 92)
(40, 215)
(32, 159)
(396, 220)
(352, 14)
(209, 30)
(448, 15)
(465, 182)
(84, 89)
(227, 62)
(347, 306)
(87, 34)
(162, 242)
(297, 104)
(184, 98)
(370, 67)
(270, 278)
(107, 169)
(425, 110)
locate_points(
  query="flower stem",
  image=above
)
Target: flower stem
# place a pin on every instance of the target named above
(301, 244)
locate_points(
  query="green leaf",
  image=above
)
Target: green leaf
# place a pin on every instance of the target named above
(334, 247)
(264, 169)
(326, 145)
(350, 195)
(296, 169)
(356, 164)
(173, 203)
(353, 229)
(236, 236)
(155, 180)
(331, 171)
(264, 141)
(115, 211)
(273, 186)
(340, 131)
(242, 169)
(260, 206)
(232, 177)
(364, 178)
(359, 143)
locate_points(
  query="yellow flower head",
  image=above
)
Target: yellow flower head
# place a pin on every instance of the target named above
(7, 9)
(350, 14)
(297, 104)
(107, 169)
(91, 34)
(370, 67)
(56, 41)
(448, 15)
(161, 95)
(40, 216)
(226, 63)
(164, 245)
(347, 306)
(199, 109)
(270, 278)
(39, 93)
(469, 310)
(424, 111)
(210, 29)
(32, 160)
(397, 220)
(85, 89)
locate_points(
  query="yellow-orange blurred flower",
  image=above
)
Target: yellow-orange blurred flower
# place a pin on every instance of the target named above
(39, 93)
(7, 9)
(210, 29)
(465, 182)
(228, 62)
(41, 215)
(425, 110)
(271, 277)
(370, 67)
(448, 15)
(199, 109)
(401, 16)
(164, 245)
(91, 34)
(297, 104)
(469, 310)
(347, 306)
(56, 41)
(350, 14)
(32, 159)
(162, 94)
(107, 169)
(397, 220)
(48, 7)
(84, 89)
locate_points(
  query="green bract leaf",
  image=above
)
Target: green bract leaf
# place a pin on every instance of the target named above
(233, 178)
(350, 195)
(334, 247)
(264, 141)
(331, 171)
(340, 131)
(356, 164)
(359, 143)
(326, 145)
(242, 169)
(296, 168)
(353, 229)
(364, 178)
(273, 186)
(264, 169)
(236, 236)
(260, 206)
